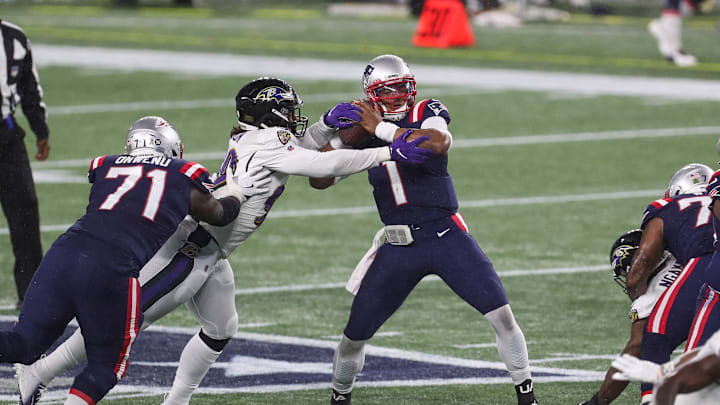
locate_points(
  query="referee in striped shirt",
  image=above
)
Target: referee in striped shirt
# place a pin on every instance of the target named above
(19, 84)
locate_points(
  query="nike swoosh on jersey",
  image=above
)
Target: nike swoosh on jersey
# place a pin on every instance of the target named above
(441, 234)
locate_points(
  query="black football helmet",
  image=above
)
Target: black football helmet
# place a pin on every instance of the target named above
(621, 255)
(269, 102)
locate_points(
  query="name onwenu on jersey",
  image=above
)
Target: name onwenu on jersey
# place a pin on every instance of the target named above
(153, 160)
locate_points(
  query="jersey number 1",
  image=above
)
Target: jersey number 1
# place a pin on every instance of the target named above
(398, 189)
(132, 175)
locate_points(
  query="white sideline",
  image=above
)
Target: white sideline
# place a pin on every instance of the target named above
(214, 64)
(502, 202)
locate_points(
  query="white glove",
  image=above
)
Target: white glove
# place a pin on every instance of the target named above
(248, 184)
(633, 369)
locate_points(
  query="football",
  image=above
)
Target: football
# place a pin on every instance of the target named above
(354, 135)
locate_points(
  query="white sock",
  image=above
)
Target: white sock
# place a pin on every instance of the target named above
(195, 361)
(672, 27)
(510, 343)
(348, 361)
(75, 400)
(69, 354)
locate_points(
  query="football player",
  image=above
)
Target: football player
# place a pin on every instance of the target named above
(667, 29)
(663, 304)
(694, 375)
(192, 267)
(707, 313)
(424, 232)
(90, 272)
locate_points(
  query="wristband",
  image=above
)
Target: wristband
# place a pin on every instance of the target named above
(386, 131)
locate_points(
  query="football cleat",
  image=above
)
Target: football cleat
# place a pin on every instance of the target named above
(339, 399)
(526, 393)
(30, 386)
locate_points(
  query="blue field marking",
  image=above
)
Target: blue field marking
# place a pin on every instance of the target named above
(265, 363)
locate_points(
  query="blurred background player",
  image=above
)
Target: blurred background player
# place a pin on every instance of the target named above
(667, 29)
(694, 375)
(269, 134)
(425, 233)
(17, 188)
(90, 272)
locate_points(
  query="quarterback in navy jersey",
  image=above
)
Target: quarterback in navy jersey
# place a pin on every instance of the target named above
(424, 232)
(90, 272)
(663, 301)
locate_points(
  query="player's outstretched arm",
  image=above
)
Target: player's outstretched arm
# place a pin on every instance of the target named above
(690, 377)
(220, 212)
(646, 258)
(610, 388)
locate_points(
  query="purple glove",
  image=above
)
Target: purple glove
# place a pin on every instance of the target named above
(403, 151)
(343, 115)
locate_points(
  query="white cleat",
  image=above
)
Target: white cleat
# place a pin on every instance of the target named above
(667, 31)
(30, 386)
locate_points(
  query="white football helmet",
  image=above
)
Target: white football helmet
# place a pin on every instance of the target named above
(389, 83)
(690, 179)
(153, 136)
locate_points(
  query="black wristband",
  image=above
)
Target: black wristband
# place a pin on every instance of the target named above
(231, 209)
(594, 400)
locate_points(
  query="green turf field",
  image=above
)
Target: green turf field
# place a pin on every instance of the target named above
(532, 205)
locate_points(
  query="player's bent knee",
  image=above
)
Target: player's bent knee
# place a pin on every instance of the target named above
(215, 344)
(502, 319)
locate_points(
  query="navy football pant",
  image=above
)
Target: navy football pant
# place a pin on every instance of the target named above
(20, 205)
(454, 256)
(669, 323)
(76, 279)
(707, 317)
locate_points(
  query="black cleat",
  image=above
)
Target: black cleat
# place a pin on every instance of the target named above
(339, 399)
(526, 393)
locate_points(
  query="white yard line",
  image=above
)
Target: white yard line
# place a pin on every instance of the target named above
(214, 64)
(501, 202)
(506, 273)
(536, 139)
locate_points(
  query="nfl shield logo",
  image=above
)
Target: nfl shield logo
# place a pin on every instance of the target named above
(14, 70)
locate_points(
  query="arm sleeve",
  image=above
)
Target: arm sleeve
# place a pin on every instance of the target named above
(31, 96)
(311, 163)
(317, 136)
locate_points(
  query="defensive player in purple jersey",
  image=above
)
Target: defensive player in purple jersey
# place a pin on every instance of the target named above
(424, 232)
(707, 312)
(90, 272)
(661, 310)
(679, 224)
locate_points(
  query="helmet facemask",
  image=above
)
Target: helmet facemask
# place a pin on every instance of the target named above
(394, 97)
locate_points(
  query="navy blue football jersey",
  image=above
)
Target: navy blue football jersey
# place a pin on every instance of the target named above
(415, 194)
(687, 225)
(713, 191)
(137, 202)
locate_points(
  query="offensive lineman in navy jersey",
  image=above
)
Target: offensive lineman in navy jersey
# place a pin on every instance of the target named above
(90, 272)
(425, 233)
(707, 312)
(662, 306)
(679, 223)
